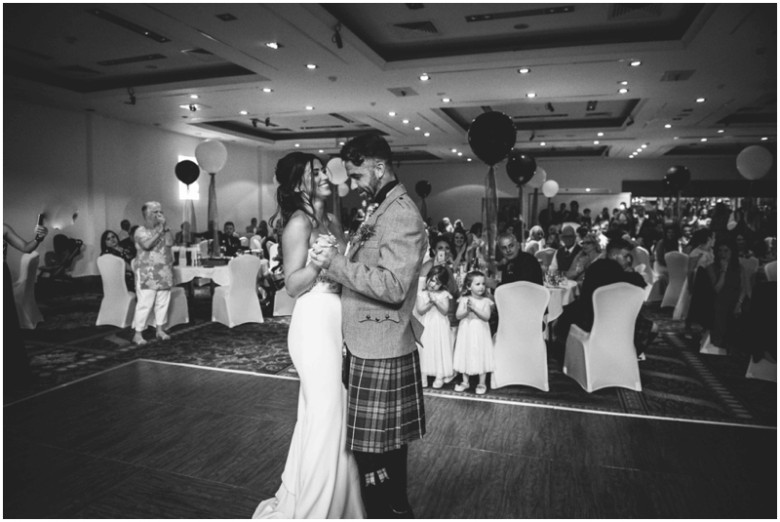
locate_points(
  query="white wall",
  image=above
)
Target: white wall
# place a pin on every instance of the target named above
(60, 162)
(458, 189)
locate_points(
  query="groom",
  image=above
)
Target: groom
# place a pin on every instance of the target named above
(379, 273)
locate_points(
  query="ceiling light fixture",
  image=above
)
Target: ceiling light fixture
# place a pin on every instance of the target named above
(543, 144)
(446, 100)
(424, 77)
(531, 95)
(309, 108)
(391, 114)
(701, 100)
(622, 90)
(297, 145)
(243, 113)
(524, 70)
(764, 138)
(267, 89)
(635, 63)
(644, 145)
(417, 128)
(193, 96)
(721, 131)
(273, 45)
(599, 134)
(703, 140)
(623, 82)
(405, 122)
(337, 36)
(311, 66)
(321, 151)
(668, 126)
(460, 154)
(596, 142)
(468, 159)
(427, 134)
(591, 106)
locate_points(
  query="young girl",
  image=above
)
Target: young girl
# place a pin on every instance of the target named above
(474, 344)
(433, 302)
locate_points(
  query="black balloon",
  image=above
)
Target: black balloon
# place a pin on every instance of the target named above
(520, 167)
(423, 188)
(677, 178)
(187, 171)
(491, 136)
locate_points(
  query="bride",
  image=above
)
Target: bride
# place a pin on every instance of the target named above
(320, 478)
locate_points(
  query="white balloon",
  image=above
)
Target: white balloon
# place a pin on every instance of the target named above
(343, 190)
(540, 176)
(550, 188)
(211, 155)
(336, 171)
(754, 162)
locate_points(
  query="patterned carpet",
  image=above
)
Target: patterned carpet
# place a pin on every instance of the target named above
(677, 381)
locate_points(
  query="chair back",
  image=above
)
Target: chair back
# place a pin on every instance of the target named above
(255, 243)
(273, 251)
(520, 354)
(615, 309)
(204, 248)
(27, 269)
(112, 276)
(677, 268)
(771, 271)
(243, 277)
(545, 257)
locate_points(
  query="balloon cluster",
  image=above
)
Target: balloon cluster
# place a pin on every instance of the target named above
(491, 136)
(423, 188)
(520, 167)
(211, 155)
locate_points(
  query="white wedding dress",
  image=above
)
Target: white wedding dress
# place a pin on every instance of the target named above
(320, 478)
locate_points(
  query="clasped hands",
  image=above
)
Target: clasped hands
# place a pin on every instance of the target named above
(324, 250)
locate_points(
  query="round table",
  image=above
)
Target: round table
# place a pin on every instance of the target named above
(560, 296)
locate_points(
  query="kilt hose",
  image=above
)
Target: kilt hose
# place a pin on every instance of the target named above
(385, 402)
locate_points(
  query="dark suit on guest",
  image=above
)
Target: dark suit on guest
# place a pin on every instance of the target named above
(564, 258)
(524, 267)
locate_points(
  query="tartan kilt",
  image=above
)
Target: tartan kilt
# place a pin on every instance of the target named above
(385, 402)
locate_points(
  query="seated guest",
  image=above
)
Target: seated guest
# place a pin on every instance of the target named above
(109, 244)
(718, 294)
(535, 240)
(124, 232)
(584, 258)
(183, 236)
(613, 268)
(517, 265)
(229, 242)
(567, 252)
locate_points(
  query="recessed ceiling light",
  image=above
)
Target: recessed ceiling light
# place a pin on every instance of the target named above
(587, 190)
(468, 159)
(273, 45)
(622, 90)
(644, 145)
(445, 100)
(405, 122)
(543, 144)
(721, 131)
(596, 142)
(321, 151)
(309, 108)
(243, 113)
(417, 128)
(635, 63)
(701, 100)
(342, 143)
(531, 95)
(391, 114)
(454, 151)
(668, 126)
(460, 154)
(703, 139)
(424, 77)
(764, 138)
(524, 70)
(311, 66)
(297, 145)
(631, 156)
(427, 134)
(267, 89)
(676, 137)
(599, 134)
(623, 82)
(193, 96)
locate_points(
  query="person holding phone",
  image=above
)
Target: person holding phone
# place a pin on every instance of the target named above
(153, 268)
(16, 366)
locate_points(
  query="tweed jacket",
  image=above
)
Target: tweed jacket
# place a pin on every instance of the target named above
(379, 281)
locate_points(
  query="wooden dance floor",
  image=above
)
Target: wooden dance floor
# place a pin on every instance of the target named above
(159, 440)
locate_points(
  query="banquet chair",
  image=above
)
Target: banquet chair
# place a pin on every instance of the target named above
(606, 357)
(677, 267)
(520, 354)
(178, 309)
(24, 292)
(765, 369)
(256, 243)
(273, 252)
(237, 303)
(545, 257)
(118, 304)
(771, 271)
(707, 347)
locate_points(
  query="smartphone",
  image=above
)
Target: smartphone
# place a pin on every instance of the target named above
(40, 220)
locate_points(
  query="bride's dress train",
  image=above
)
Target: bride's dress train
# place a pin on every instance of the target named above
(320, 478)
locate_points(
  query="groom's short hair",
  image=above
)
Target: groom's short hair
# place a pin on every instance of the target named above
(365, 146)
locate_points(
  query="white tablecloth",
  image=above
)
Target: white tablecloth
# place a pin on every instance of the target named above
(184, 274)
(559, 297)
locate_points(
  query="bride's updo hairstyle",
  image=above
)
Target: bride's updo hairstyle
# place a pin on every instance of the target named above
(289, 196)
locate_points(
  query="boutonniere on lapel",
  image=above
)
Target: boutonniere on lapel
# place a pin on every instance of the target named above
(365, 231)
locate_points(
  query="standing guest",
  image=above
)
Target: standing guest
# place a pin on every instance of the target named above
(685, 239)
(229, 242)
(124, 230)
(262, 229)
(564, 256)
(109, 244)
(433, 304)
(252, 228)
(461, 252)
(474, 344)
(154, 271)
(586, 219)
(535, 240)
(382, 363)
(574, 212)
(669, 243)
(16, 366)
(516, 264)
(553, 239)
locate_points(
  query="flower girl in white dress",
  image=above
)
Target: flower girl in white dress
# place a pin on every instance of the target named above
(474, 344)
(433, 303)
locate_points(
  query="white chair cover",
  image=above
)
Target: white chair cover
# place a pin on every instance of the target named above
(520, 354)
(204, 248)
(606, 357)
(238, 303)
(710, 349)
(771, 271)
(765, 369)
(24, 292)
(255, 243)
(178, 309)
(244, 242)
(118, 305)
(677, 267)
(545, 257)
